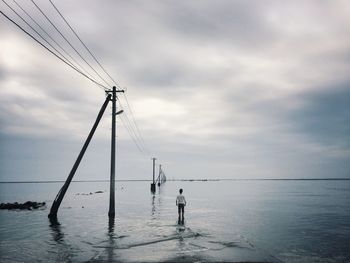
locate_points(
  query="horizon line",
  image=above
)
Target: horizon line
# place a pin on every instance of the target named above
(192, 179)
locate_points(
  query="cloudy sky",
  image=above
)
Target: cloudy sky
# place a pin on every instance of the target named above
(219, 89)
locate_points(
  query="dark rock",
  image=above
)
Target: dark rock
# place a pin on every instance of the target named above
(90, 193)
(29, 205)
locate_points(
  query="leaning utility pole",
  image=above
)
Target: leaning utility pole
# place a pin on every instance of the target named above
(153, 185)
(111, 212)
(112, 96)
(57, 202)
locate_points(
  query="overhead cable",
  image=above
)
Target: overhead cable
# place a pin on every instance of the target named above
(136, 134)
(82, 42)
(53, 40)
(133, 117)
(134, 131)
(130, 129)
(48, 19)
(53, 53)
(131, 126)
(131, 134)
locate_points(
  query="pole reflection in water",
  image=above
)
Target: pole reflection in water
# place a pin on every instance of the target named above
(62, 251)
(111, 238)
(153, 206)
(56, 231)
(159, 198)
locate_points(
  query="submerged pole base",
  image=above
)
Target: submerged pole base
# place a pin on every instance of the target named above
(52, 216)
(153, 188)
(53, 221)
(111, 214)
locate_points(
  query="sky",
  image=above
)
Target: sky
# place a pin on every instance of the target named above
(218, 89)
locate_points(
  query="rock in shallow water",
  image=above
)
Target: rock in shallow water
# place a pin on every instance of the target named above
(29, 205)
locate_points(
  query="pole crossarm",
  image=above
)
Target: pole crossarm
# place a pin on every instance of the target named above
(110, 91)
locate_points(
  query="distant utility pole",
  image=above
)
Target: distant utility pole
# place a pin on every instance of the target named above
(160, 175)
(111, 212)
(153, 185)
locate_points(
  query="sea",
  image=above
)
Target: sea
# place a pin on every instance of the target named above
(225, 221)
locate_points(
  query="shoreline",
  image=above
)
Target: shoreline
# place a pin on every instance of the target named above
(182, 180)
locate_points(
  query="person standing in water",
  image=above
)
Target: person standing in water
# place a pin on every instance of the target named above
(181, 202)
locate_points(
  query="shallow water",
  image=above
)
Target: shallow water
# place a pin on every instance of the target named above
(256, 221)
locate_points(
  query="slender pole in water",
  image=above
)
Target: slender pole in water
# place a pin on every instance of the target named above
(111, 212)
(57, 202)
(153, 185)
(159, 176)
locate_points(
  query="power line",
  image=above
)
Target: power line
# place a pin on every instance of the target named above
(129, 122)
(48, 19)
(131, 136)
(135, 134)
(52, 39)
(133, 118)
(134, 131)
(130, 129)
(53, 53)
(82, 42)
(34, 29)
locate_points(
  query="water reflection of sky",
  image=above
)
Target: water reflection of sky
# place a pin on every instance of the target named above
(238, 220)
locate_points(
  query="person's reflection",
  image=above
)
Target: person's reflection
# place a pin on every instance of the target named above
(56, 230)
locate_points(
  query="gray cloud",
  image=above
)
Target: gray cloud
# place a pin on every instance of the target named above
(325, 115)
(2, 73)
(239, 23)
(229, 88)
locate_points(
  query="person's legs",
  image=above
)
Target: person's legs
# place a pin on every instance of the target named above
(183, 213)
